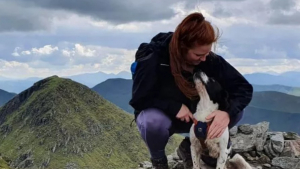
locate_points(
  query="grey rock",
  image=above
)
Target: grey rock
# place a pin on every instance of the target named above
(245, 129)
(277, 142)
(248, 156)
(269, 150)
(233, 131)
(252, 153)
(286, 162)
(291, 136)
(291, 148)
(266, 166)
(275, 145)
(263, 159)
(248, 142)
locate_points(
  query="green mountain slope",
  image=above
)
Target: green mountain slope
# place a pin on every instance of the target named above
(5, 97)
(278, 88)
(59, 123)
(279, 121)
(118, 91)
(276, 101)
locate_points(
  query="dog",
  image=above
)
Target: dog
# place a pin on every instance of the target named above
(212, 97)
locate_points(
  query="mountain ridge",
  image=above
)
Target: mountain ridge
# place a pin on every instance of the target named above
(60, 123)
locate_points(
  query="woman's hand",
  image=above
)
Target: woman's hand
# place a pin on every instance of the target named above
(184, 114)
(220, 121)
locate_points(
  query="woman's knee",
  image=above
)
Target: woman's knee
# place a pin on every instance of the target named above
(153, 120)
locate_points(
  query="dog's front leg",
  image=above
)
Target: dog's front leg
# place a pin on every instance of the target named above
(195, 150)
(224, 152)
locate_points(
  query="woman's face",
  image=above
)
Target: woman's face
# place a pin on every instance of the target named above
(198, 54)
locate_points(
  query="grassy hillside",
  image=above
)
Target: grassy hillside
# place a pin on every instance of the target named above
(5, 97)
(276, 101)
(118, 91)
(3, 164)
(59, 123)
(279, 121)
(278, 88)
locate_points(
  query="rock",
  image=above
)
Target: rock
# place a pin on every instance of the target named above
(252, 153)
(277, 142)
(146, 165)
(269, 150)
(275, 145)
(261, 148)
(245, 129)
(248, 142)
(248, 157)
(286, 162)
(291, 148)
(266, 166)
(291, 136)
(263, 159)
(233, 131)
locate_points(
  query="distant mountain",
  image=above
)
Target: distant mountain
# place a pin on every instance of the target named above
(279, 121)
(287, 79)
(271, 106)
(88, 79)
(59, 123)
(17, 86)
(118, 91)
(278, 88)
(276, 101)
(92, 79)
(5, 97)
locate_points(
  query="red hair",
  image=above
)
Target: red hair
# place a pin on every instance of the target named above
(192, 31)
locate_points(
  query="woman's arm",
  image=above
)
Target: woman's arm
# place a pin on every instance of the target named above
(239, 89)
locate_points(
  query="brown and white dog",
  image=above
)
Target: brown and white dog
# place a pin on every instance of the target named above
(212, 98)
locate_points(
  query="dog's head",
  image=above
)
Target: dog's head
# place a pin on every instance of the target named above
(208, 85)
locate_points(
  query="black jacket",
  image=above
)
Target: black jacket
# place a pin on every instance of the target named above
(154, 85)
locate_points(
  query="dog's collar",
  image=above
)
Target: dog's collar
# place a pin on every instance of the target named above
(200, 129)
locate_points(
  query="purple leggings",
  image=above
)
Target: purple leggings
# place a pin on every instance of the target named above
(156, 128)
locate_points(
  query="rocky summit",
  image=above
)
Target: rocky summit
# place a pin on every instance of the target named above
(260, 147)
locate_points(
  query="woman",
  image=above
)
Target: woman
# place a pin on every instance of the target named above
(163, 94)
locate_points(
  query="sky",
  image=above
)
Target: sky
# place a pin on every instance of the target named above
(40, 38)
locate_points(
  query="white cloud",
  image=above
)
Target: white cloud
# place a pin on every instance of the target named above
(46, 50)
(15, 53)
(246, 66)
(267, 52)
(70, 59)
(224, 51)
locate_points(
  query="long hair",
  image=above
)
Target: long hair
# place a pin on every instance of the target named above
(192, 31)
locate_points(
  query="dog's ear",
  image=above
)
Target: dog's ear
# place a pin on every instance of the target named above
(213, 89)
(217, 94)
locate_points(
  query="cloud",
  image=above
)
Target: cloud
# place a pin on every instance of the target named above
(16, 17)
(246, 66)
(285, 19)
(41, 15)
(65, 57)
(282, 5)
(270, 53)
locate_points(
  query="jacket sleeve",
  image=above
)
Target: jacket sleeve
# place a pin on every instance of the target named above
(145, 84)
(239, 90)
